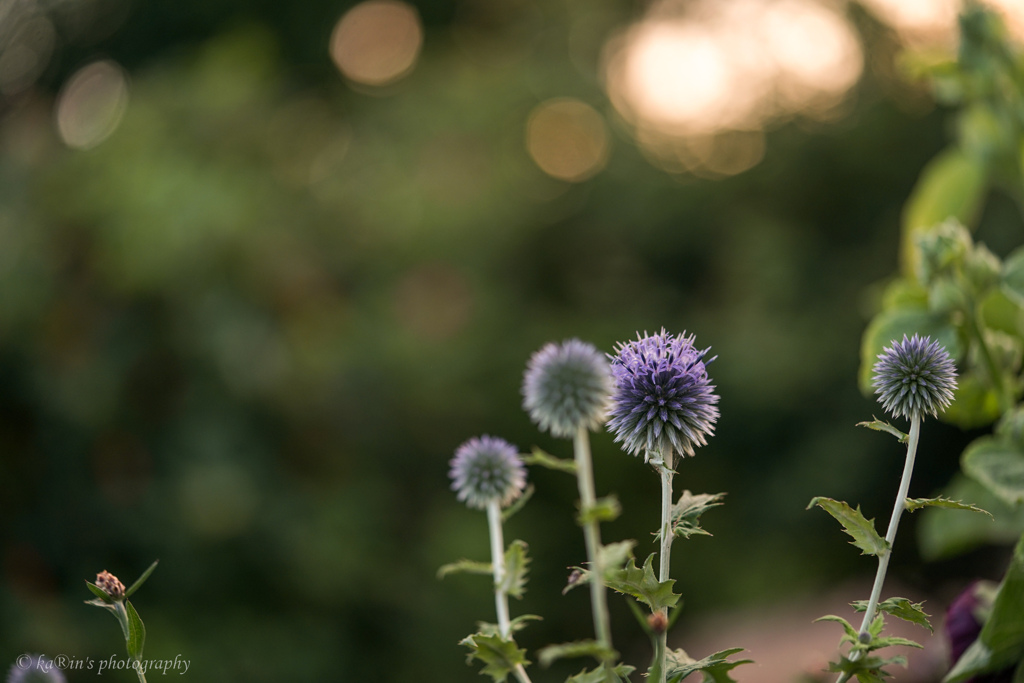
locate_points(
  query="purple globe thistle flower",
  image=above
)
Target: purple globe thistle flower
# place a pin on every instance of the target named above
(567, 386)
(914, 377)
(34, 669)
(663, 399)
(487, 469)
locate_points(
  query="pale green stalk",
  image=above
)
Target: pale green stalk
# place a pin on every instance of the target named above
(592, 537)
(499, 569)
(665, 556)
(890, 535)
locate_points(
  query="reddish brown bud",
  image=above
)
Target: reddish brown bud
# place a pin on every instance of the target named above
(110, 584)
(658, 622)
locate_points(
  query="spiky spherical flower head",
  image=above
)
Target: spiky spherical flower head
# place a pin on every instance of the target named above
(914, 377)
(663, 399)
(34, 669)
(487, 469)
(567, 386)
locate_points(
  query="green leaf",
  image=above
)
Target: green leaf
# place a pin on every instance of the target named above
(619, 674)
(902, 609)
(715, 668)
(687, 510)
(539, 457)
(613, 558)
(998, 465)
(515, 625)
(893, 324)
(913, 504)
(642, 585)
(579, 648)
(862, 530)
(869, 669)
(945, 533)
(603, 510)
(880, 426)
(465, 566)
(136, 632)
(975, 404)
(519, 503)
(141, 580)
(851, 632)
(1012, 279)
(500, 656)
(516, 562)
(100, 593)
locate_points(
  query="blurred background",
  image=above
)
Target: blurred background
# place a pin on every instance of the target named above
(265, 265)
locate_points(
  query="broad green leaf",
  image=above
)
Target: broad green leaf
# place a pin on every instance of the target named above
(913, 504)
(862, 530)
(975, 404)
(902, 609)
(518, 504)
(715, 668)
(603, 510)
(136, 632)
(1013, 276)
(539, 457)
(998, 465)
(945, 533)
(141, 580)
(976, 659)
(579, 648)
(893, 324)
(465, 566)
(98, 592)
(500, 656)
(516, 561)
(687, 510)
(641, 584)
(952, 184)
(880, 426)
(619, 674)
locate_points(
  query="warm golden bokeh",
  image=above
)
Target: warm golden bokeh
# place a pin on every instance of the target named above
(695, 72)
(91, 104)
(934, 22)
(567, 138)
(377, 42)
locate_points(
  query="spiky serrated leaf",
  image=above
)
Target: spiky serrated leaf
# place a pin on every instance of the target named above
(913, 504)
(519, 503)
(687, 510)
(880, 426)
(465, 566)
(141, 580)
(577, 648)
(892, 641)
(870, 669)
(515, 625)
(619, 674)
(901, 608)
(860, 529)
(715, 668)
(603, 510)
(136, 632)
(516, 566)
(613, 557)
(500, 656)
(641, 584)
(851, 632)
(539, 457)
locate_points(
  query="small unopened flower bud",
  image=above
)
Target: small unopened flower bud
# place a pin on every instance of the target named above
(914, 377)
(657, 622)
(487, 469)
(567, 386)
(110, 584)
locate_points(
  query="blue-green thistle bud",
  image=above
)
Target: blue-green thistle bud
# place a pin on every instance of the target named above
(663, 398)
(487, 469)
(567, 386)
(914, 377)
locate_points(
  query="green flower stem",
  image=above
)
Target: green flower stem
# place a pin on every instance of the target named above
(1004, 397)
(890, 535)
(142, 676)
(498, 565)
(592, 537)
(665, 556)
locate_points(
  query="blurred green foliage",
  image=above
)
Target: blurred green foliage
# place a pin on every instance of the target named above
(245, 334)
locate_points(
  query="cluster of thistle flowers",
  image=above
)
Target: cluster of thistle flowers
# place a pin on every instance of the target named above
(913, 378)
(655, 395)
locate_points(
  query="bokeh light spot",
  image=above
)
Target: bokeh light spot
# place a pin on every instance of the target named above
(377, 42)
(567, 138)
(91, 104)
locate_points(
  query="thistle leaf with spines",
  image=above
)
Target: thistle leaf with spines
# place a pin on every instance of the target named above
(860, 529)
(901, 608)
(577, 648)
(544, 459)
(882, 426)
(613, 557)
(641, 584)
(516, 567)
(715, 668)
(515, 625)
(465, 567)
(686, 512)
(604, 509)
(500, 656)
(869, 669)
(618, 674)
(912, 504)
